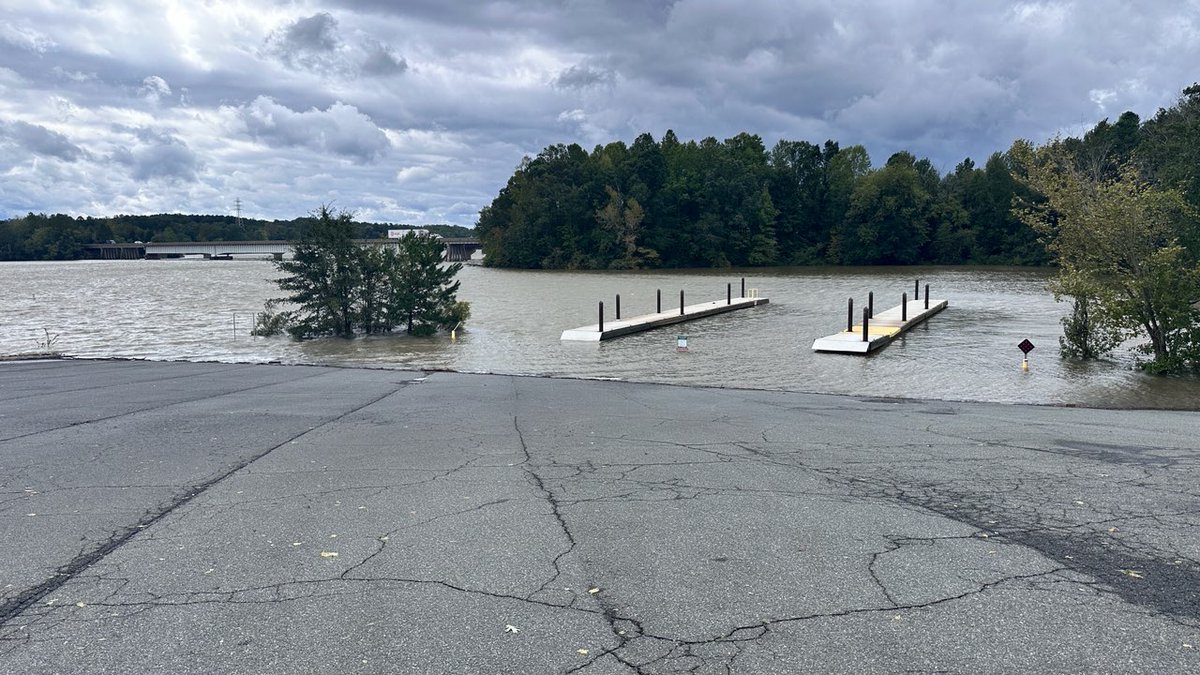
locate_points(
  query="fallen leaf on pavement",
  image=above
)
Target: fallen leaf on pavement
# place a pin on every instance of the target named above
(328, 554)
(509, 628)
(1133, 573)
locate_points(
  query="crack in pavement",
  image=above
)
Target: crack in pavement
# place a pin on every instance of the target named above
(1108, 559)
(15, 605)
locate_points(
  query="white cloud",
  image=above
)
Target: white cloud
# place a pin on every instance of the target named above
(154, 89)
(25, 37)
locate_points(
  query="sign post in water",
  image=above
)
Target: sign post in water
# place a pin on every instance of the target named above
(1026, 346)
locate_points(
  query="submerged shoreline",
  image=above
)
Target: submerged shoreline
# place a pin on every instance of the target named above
(1186, 406)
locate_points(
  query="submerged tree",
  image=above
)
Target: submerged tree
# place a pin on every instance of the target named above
(342, 288)
(423, 289)
(1120, 244)
(323, 278)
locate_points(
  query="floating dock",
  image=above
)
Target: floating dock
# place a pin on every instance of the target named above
(879, 330)
(618, 327)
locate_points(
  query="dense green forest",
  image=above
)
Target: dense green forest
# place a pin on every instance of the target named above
(61, 237)
(710, 203)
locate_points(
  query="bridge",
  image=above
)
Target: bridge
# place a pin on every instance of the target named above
(458, 249)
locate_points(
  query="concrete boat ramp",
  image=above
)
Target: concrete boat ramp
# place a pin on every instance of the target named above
(197, 518)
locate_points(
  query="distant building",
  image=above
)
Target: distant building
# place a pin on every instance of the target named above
(420, 232)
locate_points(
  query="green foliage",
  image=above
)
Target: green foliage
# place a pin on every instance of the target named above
(719, 203)
(1168, 151)
(270, 322)
(323, 278)
(337, 287)
(1120, 245)
(423, 289)
(460, 312)
(888, 222)
(620, 222)
(1089, 331)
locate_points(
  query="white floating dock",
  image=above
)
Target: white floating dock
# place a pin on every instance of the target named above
(881, 329)
(637, 324)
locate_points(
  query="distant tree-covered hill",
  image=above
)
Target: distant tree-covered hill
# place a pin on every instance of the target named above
(61, 237)
(672, 203)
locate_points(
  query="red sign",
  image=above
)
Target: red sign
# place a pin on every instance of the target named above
(1026, 346)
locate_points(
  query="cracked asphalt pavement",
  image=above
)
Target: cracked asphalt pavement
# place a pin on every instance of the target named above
(199, 518)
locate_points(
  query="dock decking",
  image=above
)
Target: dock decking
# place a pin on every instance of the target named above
(637, 324)
(881, 329)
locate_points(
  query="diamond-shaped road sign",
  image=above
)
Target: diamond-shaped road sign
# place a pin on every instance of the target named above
(1026, 346)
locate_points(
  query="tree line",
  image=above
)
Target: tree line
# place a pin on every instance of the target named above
(62, 237)
(672, 203)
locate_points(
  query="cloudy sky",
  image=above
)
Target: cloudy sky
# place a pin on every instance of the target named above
(417, 111)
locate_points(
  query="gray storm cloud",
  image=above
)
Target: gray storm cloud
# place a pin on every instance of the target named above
(583, 76)
(157, 156)
(340, 130)
(382, 61)
(317, 33)
(315, 43)
(40, 140)
(308, 43)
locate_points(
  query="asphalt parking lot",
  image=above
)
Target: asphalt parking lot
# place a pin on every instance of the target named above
(200, 518)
